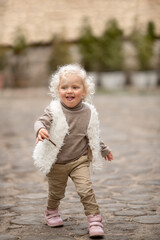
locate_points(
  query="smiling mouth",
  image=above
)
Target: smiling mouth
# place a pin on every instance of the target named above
(70, 98)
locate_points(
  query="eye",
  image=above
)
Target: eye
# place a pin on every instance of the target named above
(63, 87)
(75, 87)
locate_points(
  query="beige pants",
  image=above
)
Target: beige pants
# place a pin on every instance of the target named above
(78, 171)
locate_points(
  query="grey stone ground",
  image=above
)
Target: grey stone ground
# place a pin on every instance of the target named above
(128, 189)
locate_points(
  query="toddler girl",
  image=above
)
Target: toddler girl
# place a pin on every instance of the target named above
(67, 141)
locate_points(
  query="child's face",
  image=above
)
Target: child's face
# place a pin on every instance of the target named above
(71, 90)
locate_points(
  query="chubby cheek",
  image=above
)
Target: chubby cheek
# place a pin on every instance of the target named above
(63, 98)
(61, 94)
(79, 96)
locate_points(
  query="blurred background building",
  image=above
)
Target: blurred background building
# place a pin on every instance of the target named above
(113, 39)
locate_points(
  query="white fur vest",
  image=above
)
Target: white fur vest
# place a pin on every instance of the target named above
(45, 154)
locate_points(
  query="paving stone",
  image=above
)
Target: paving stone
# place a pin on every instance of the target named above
(111, 209)
(47, 237)
(78, 217)
(65, 218)
(136, 190)
(140, 203)
(120, 182)
(117, 237)
(9, 192)
(129, 213)
(63, 237)
(133, 197)
(137, 207)
(112, 205)
(151, 182)
(26, 202)
(105, 201)
(151, 237)
(6, 206)
(154, 219)
(12, 226)
(72, 211)
(146, 207)
(74, 200)
(8, 214)
(79, 232)
(8, 237)
(156, 202)
(5, 185)
(148, 212)
(117, 219)
(33, 195)
(26, 209)
(28, 220)
(125, 227)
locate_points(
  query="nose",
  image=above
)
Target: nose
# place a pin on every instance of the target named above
(69, 90)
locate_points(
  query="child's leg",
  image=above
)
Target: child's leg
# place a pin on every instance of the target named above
(81, 177)
(57, 181)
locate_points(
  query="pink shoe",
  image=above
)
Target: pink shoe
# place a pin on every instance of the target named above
(95, 226)
(53, 218)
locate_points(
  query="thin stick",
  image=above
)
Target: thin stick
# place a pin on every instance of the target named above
(52, 142)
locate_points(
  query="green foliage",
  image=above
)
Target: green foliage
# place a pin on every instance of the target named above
(2, 58)
(143, 43)
(20, 44)
(111, 42)
(90, 49)
(151, 30)
(60, 54)
(18, 66)
(103, 53)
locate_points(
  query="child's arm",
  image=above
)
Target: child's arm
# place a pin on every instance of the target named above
(43, 121)
(42, 134)
(109, 157)
(42, 125)
(106, 152)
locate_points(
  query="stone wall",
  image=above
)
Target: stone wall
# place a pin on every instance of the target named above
(40, 19)
(30, 69)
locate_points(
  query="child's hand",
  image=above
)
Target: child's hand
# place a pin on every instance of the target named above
(109, 157)
(42, 134)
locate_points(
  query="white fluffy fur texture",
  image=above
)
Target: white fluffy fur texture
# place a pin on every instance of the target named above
(45, 153)
(93, 133)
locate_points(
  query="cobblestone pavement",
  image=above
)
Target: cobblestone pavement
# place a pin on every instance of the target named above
(128, 189)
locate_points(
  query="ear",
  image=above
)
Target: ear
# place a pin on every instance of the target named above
(84, 92)
(84, 95)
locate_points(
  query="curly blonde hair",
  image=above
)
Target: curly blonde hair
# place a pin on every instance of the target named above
(73, 69)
